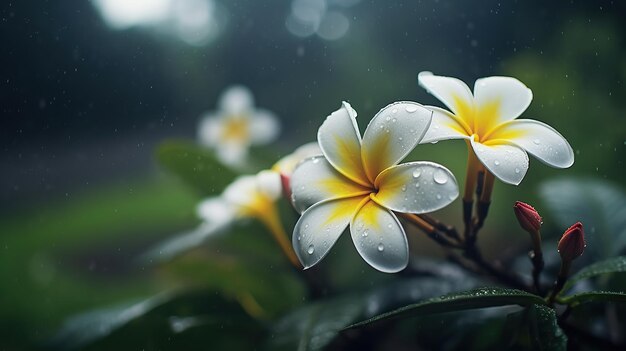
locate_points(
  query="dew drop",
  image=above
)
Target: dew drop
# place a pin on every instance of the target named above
(381, 247)
(395, 110)
(438, 196)
(400, 138)
(417, 173)
(411, 108)
(404, 188)
(387, 118)
(299, 237)
(517, 170)
(496, 162)
(537, 141)
(440, 177)
(311, 249)
(394, 120)
(389, 226)
(316, 160)
(417, 185)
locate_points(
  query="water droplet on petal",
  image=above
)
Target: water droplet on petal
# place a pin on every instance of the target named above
(417, 173)
(440, 177)
(389, 226)
(381, 247)
(438, 196)
(404, 188)
(387, 118)
(395, 110)
(311, 249)
(316, 160)
(496, 162)
(411, 108)
(365, 233)
(517, 170)
(394, 120)
(537, 141)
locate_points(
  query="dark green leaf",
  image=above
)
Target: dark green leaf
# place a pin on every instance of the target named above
(477, 298)
(168, 319)
(314, 326)
(195, 165)
(611, 265)
(544, 331)
(599, 205)
(593, 296)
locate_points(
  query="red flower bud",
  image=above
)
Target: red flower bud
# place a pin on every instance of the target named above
(527, 216)
(572, 243)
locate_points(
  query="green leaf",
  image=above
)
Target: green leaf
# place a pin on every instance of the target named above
(533, 328)
(477, 298)
(314, 326)
(544, 330)
(594, 296)
(598, 204)
(166, 319)
(611, 265)
(195, 166)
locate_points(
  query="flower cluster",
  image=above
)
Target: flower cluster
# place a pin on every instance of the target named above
(346, 180)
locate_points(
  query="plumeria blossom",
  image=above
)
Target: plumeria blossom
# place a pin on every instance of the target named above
(286, 165)
(487, 120)
(237, 125)
(358, 182)
(249, 196)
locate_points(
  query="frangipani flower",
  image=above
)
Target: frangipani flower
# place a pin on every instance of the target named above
(359, 183)
(286, 165)
(249, 196)
(237, 125)
(487, 120)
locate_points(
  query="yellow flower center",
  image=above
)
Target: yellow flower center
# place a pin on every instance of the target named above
(236, 128)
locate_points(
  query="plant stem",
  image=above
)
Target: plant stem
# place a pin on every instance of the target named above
(430, 230)
(560, 281)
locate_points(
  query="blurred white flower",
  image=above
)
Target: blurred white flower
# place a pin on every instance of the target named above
(237, 125)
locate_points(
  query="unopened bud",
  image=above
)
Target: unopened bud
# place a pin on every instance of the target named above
(572, 243)
(527, 216)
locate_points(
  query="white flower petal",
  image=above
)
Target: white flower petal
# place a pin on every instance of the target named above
(264, 127)
(510, 96)
(319, 228)
(392, 134)
(340, 141)
(315, 180)
(444, 126)
(236, 100)
(507, 162)
(210, 130)
(269, 184)
(416, 187)
(287, 164)
(454, 93)
(242, 191)
(379, 238)
(216, 210)
(540, 140)
(232, 153)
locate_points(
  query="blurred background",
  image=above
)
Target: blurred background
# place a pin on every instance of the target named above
(89, 89)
